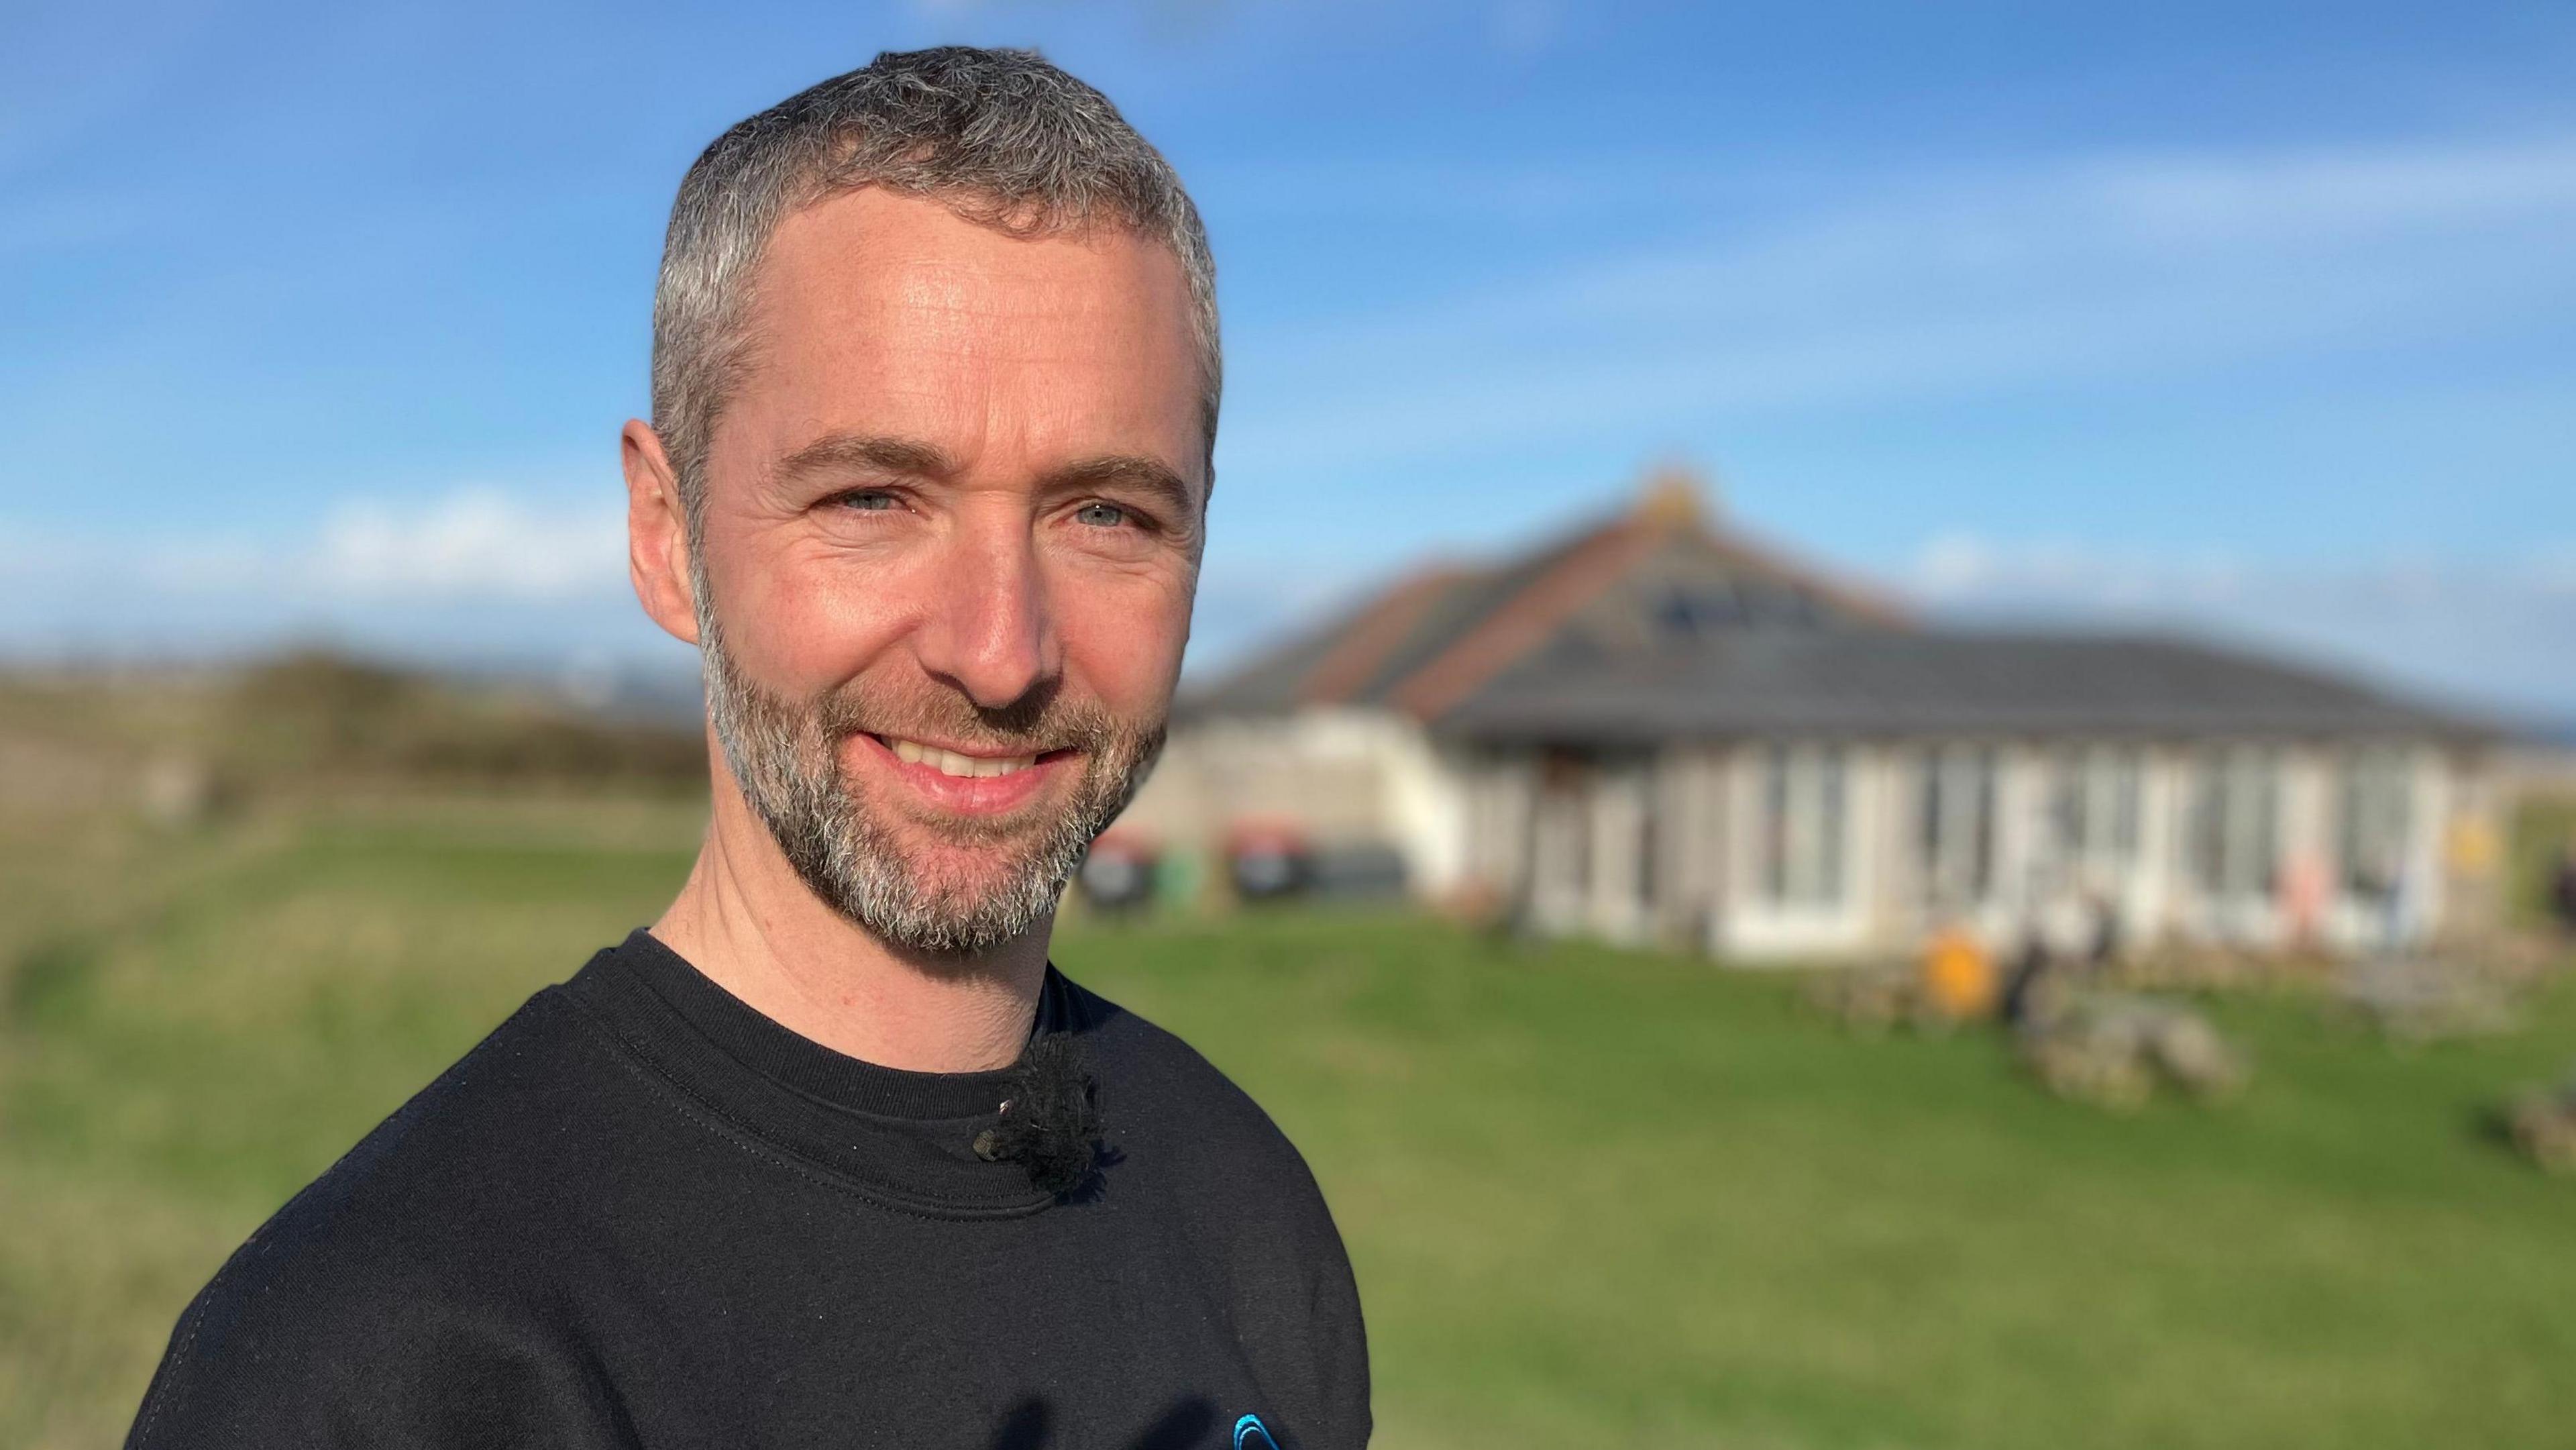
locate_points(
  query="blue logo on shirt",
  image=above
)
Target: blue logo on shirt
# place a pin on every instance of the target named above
(1251, 1434)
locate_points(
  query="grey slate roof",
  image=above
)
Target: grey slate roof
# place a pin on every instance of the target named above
(1658, 626)
(1934, 682)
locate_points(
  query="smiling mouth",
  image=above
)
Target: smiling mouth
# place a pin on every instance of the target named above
(963, 767)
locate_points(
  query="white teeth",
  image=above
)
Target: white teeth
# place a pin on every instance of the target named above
(949, 762)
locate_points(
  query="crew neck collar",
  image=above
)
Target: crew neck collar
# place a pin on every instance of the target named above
(907, 1137)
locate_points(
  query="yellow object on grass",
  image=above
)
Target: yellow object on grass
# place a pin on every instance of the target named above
(1958, 975)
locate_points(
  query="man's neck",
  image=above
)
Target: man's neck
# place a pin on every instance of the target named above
(752, 926)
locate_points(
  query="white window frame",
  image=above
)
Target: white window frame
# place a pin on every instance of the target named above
(1802, 852)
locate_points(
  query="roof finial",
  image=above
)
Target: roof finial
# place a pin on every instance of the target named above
(1675, 494)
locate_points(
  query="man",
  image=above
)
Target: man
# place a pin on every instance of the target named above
(830, 1155)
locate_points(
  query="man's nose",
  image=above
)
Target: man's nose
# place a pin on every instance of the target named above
(988, 631)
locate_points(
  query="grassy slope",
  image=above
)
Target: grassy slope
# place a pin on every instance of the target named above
(1595, 1198)
(194, 1027)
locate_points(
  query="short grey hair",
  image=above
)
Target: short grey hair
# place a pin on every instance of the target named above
(1003, 138)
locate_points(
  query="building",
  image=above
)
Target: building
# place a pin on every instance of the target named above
(1657, 730)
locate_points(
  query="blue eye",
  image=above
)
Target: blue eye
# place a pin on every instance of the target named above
(1101, 515)
(869, 501)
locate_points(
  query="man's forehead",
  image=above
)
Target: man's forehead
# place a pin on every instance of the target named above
(875, 249)
(889, 314)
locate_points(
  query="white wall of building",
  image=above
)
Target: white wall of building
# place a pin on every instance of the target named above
(1676, 845)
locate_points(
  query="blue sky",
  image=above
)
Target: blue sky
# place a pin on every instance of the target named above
(320, 319)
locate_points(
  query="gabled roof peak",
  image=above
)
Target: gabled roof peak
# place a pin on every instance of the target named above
(1675, 494)
(1658, 576)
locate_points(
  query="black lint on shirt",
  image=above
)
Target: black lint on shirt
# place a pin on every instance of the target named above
(640, 1213)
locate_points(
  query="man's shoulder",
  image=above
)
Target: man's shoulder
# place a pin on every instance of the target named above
(433, 1181)
(463, 1190)
(1150, 1056)
(427, 1240)
(1158, 1085)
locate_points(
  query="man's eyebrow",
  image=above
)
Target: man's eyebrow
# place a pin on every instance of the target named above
(1132, 470)
(851, 452)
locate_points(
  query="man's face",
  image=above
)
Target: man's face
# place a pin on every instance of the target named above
(951, 532)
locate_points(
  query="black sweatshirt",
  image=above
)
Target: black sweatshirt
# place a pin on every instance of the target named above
(640, 1213)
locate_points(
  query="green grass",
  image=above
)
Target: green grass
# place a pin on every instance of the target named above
(1594, 1197)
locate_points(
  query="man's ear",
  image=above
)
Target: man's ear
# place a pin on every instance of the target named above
(657, 531)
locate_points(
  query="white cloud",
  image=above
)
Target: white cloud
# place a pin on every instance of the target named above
(1922, 288)
(481, 573)
(478, 541)
(1967, 569)
(2310, 194)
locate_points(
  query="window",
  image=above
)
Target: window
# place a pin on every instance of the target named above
(1689, 613)
(2231, 841)
(1955, 825)
(1647, 844)
(1693, 611)
(1561, 828)
(1802, 825)
(2093, 807)
(2374, 814)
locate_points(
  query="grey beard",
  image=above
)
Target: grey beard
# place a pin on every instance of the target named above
(788, 764)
